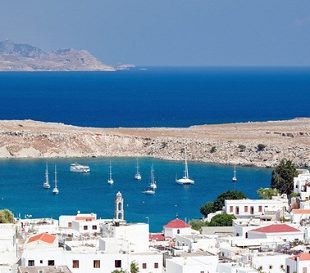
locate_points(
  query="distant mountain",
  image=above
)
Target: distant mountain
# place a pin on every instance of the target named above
(24, 57)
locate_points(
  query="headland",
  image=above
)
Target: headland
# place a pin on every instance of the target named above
(261, 144)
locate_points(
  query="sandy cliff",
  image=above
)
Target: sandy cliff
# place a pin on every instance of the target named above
(258, 143)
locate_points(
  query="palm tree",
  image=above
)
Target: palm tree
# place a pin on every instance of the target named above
(134, 268)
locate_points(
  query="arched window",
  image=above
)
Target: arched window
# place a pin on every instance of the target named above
(119, 216)
(178, 231)
(119, 205)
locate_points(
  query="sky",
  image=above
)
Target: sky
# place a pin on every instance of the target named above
(166, 32)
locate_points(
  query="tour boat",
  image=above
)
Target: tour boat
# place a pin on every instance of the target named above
(46, 184)
(234, 179)
(78, 168)
(185, 180)
(110, 180)
(55, 190)
(138, 175)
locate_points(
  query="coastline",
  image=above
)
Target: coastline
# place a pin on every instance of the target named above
(232, 143)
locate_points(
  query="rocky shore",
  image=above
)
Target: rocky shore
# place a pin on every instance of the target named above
(261, 144)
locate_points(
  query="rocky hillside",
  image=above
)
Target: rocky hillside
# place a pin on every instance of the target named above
(254, 144)
(23, 57)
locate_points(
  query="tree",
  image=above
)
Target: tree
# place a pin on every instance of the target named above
(198, 224)
(6, 216)
(222, 220)
(207, 208)
(134, 268)
(267, 193)
(283, 176)
(228, 195)
(118, 271)
(261, 147)
(219, 202)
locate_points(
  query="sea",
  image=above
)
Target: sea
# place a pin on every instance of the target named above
(141, 97)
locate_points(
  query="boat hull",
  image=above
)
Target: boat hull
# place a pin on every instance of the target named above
(185, 181)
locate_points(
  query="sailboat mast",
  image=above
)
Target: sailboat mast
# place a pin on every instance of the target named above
(186, 167)
(110, 170)
(46, 173)
(55, 176)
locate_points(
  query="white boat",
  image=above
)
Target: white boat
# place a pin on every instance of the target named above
(55, 190)
(153, 184)
(110, 180)
(149, 191)
(138, 175)
(234, 179)
(78, 168)
(46, 184)
(185, 180)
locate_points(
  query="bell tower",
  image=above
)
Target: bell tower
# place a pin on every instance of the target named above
(119, 208)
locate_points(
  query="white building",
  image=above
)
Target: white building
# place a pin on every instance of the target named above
(298, 264)
(302, 184)
(277, 231)
(299, 215)
(65, 221)
(176, 227)
(191, 264)
(256, 208)
(194, 243)
(8, 248)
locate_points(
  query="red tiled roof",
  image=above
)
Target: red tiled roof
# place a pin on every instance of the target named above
(276, 228)
(301, 211)
(177, 223)
(156, 237)
(302, 257)
(45, 237)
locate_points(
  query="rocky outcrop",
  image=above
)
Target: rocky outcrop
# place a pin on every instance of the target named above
(23, 57)
(261, 144)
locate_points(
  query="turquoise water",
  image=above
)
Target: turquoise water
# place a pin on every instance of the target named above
(21, 188)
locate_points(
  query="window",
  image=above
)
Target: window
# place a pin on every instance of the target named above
(118, 263)
(178, 231)
(41, 261)
(231, 209)
(85, 227)
(75, 264)
(245, 208)
(119, 206)
(144, 265)
(288, 269)
(30, 262)
(50, 262)
(155, 265)
(69, 224)
(237, 210)
(270, 266)
(96, 263)
(252, 210)
(260, 208)
(304, 270)
(94, 227)
(202, 272)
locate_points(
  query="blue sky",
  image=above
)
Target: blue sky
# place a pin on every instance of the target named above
(167, 32)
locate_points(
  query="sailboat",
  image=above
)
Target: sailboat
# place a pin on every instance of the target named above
(138, 175)
(110, 180)
(185, 179)
(55, 190)
(153, 184)
(46, 184)
(152, 187)
(234, 179)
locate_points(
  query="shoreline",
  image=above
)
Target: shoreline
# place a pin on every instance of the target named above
(252, 144)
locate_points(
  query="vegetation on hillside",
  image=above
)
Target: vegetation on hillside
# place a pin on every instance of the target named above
(283, 176)
(6, 216)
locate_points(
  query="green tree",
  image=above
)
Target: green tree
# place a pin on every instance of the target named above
(198, 224)
(6, 216)
(228, 195)
(267, 193)
(207, 208)
(222, 220)
(283, 176)
(134, 268)
(118, 271)
(219, 202)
